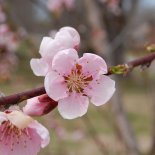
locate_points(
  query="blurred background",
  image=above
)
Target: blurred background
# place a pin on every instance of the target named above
(117, 30)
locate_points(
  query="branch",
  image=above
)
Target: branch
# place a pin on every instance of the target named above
(142, 61)
(19, 97)
(127, 67)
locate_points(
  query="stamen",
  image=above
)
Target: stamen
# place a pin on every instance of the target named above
(77, 81)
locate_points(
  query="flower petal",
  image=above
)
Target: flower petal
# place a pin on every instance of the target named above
(49, 47)
(100, 90)
(93, 64)
(55, 86)
(42, 132)
(53, 48)
(44, 45)
(75, 35)
(65, 39)
(25, 140)
(39, 67)
(14, 144)
(18, 119)
(33, 107)
(40, 105)
(3, 117)
(73, 106)
(64, 61)
(4, 149)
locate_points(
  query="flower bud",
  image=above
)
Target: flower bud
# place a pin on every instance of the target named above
(39, 105)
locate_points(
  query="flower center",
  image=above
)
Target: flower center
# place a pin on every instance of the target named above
(77, 81)
(10, 134)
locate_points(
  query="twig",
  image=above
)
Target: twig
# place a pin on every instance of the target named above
(19, 97)
(138, 62)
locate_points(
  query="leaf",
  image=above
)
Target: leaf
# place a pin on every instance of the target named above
(119, 69)
(151, 48)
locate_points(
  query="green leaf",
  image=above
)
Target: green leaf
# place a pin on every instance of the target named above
(151, 48)
(119, 69)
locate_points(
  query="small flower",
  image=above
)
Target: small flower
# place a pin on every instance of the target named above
(73, 82)
(8, 39)
(65, 38)
(2, 15)
(20, 134)
(39, 105)
(57, 5)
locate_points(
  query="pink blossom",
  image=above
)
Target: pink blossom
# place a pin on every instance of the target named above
(73, 82)
(113, 6)
(2, 15)
(39, 105)
(57, 5)
(8, 39)
(54, 5)
(69, 4)
(65, 38)
(20, 134)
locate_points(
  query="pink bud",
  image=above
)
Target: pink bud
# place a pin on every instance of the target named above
(39, 105)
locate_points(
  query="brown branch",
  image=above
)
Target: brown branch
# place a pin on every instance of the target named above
(146, 60)
(141, 61)
(19, 97)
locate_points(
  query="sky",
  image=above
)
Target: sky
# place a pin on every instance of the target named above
(147, 3)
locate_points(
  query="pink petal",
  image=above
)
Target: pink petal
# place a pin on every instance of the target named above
(65, 40)
(32, 146)
(33, 107)
(100, 91)
(42, 132)
(39, 66)
(49, 47)
(92, 64)
(55, 86)
(69, 4)
(4, 149)
(64, 61)
(3, 117)
(75, 35)
(73, 106)
(13, 144)
(52, 48)
(39, 105)
(44, 46)
(19, 119)
(54, 5)
(26, 140)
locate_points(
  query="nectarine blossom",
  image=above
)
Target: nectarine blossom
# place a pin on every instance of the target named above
(73, 82)
(20, 134)
(66, 37)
